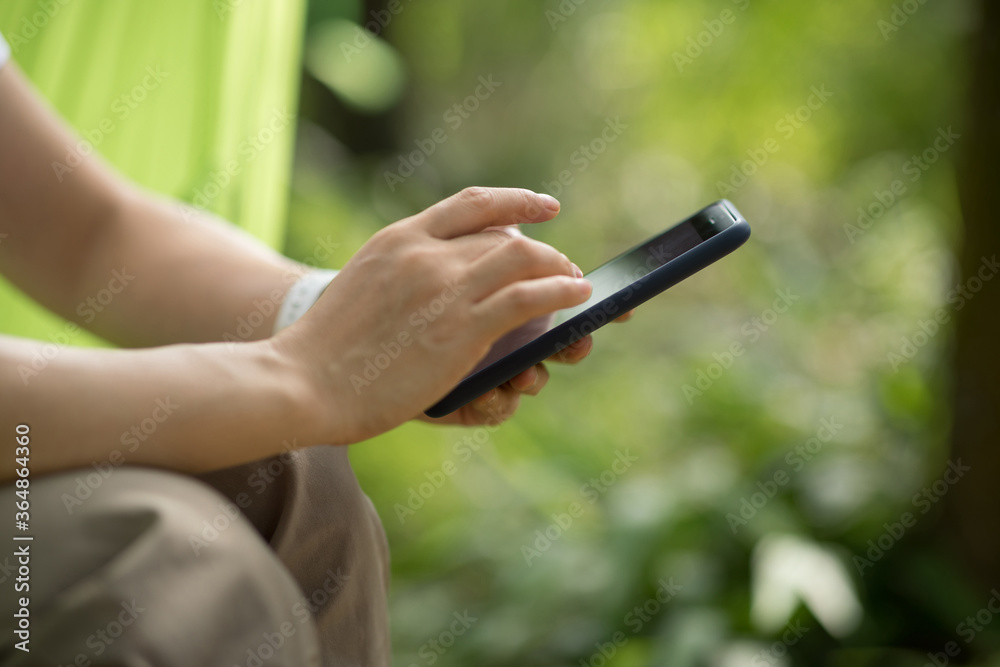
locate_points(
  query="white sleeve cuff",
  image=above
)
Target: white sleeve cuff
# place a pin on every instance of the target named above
(301, 296)
(4, 51)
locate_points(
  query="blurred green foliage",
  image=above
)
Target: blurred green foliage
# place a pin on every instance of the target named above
(700, 89)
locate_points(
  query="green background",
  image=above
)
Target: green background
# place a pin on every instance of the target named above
(702, 89)
(826, 357)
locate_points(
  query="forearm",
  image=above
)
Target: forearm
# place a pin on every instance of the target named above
(160, 273)
(184, 407)
(136, 269)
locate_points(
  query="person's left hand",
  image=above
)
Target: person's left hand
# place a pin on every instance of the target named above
(499, 404)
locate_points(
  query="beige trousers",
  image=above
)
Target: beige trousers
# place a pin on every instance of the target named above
(273, 563)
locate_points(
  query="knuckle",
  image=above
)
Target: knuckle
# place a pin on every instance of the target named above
(522, 248)
(383, 237)
(392, 237)
(530, 251)
(500, 237)
(521, 296)
(419, 260)
(505, 233)
(477, 197)
(529, 203)
(565, 267)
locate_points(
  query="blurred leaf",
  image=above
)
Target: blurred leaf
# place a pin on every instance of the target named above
(359, 67)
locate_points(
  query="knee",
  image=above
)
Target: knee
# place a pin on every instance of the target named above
(182, 556)
(182, 516)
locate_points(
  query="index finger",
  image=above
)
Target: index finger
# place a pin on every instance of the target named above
(474, 209)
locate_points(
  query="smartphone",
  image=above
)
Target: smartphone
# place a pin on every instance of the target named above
(631, 278)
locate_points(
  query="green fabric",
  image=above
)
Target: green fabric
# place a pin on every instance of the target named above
(171, 93)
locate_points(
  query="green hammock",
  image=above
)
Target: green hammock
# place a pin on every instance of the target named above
(192, 98)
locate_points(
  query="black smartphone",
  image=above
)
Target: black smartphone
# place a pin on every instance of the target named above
(631, 278)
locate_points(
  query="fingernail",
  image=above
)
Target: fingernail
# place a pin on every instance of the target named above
(576, 269)
(584, 285)
(549, 202)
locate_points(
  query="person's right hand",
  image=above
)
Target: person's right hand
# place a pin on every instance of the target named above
(421, 303)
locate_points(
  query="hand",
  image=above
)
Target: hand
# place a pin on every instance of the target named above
(420, 304)
(499, 404)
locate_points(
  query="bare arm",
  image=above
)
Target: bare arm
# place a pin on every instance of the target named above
(136, 269)
(205, 406)
(184, 407)
(198, 406)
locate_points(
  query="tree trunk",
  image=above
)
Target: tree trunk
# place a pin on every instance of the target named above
(972, 510)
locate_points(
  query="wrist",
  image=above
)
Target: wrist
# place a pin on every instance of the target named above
(308, 393)
(291, 394)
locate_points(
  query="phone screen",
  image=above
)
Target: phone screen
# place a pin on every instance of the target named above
(617, 274)
(622, 271)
